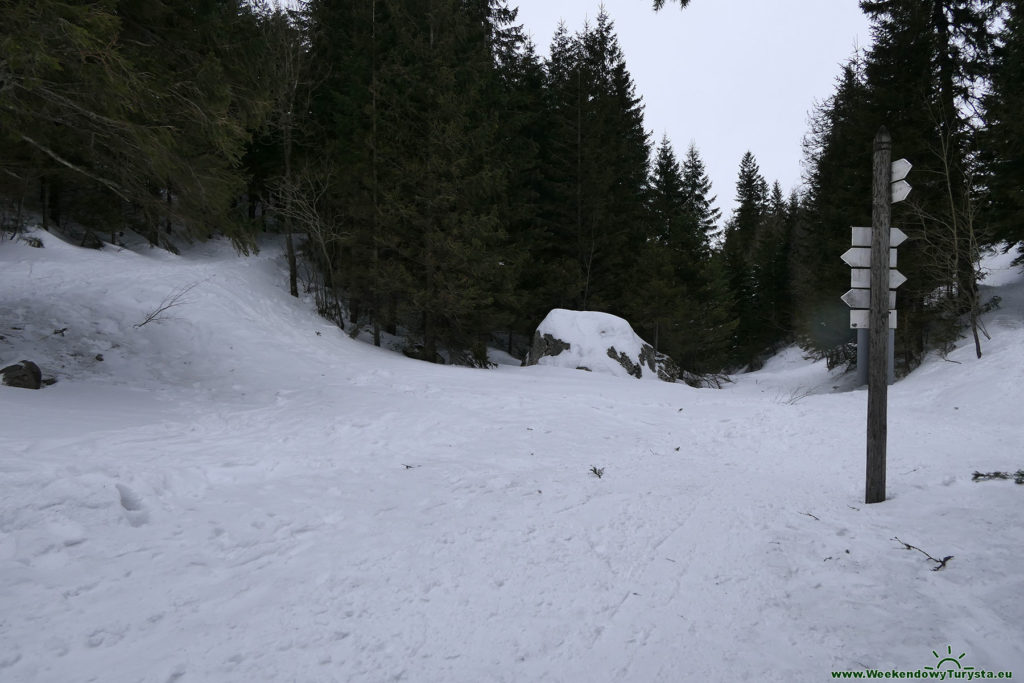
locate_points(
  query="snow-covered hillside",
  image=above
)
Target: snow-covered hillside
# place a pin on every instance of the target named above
(242, 493)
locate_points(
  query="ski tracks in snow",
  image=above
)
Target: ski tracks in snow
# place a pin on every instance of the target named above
(256, 501)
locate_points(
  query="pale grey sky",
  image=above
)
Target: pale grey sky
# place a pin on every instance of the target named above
(730, 75)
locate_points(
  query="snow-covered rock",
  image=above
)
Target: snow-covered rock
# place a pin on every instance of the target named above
(598, 342)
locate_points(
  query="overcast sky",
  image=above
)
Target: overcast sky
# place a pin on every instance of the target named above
(729, 75)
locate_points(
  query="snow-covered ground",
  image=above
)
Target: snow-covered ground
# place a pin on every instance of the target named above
(241, 492)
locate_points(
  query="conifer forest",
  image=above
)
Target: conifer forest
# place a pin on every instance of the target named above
(439, 179)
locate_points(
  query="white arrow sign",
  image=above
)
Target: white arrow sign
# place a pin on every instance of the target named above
(861, 298)
(860, 257)
(861, 237)
(859, 319)
(861, 277)
(900, 190)
(900, 169)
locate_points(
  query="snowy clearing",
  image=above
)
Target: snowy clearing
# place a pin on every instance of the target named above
(240, 492)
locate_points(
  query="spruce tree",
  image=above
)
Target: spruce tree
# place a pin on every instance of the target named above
(714, 327)
(700, 208)
(740, 259)
(441, 198)
(838, 189)
(351, 45)
(554, 254)
(771, 267)
(596, 165)
(921, 73)
(65, 104)
(203, 64)
(1003, 137)
(523, 136)
(671, 264)
(919, 79)
(683, 306)
(127, 109)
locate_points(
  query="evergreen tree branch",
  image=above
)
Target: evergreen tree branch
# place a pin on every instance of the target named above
(109, 184)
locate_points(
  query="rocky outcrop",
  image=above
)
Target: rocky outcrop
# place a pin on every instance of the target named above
(666, 368)
(544, 345)
(23, 375)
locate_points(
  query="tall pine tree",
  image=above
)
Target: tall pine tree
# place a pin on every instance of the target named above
(837, 187)
(740, 259)
(682, 304)
(921, 73)
(597, 164)
(1003, 137)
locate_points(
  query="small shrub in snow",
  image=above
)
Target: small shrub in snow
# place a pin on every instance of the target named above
(992, 304)
(1018, 476)
(597, 471)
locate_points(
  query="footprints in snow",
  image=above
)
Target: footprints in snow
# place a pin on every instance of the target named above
(134, 510)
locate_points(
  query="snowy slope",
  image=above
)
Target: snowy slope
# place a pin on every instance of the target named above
(230, 496)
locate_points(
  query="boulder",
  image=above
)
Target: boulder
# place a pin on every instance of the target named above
(597, 342)
(24, 375)
(544, 345)
(91, 240)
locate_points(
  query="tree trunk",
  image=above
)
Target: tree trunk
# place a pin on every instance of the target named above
(429, 338)
(375, 177)
(293, 272)
(46, 203)
(354, 309)
(167, 224)
(974, 330)
(391, 326)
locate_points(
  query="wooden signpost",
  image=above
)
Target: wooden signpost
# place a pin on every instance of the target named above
(858, 298)
(872, 300)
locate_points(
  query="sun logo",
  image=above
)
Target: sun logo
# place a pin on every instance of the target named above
(942, 660)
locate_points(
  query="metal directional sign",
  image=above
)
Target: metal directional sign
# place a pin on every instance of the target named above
(860, 257)
(861, 237)
(900, 187)
(861, 298)
(861, 277)
(900, 169)
(900, 190)
(859, 319)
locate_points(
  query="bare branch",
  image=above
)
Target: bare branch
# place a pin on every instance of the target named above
(175, 298)
(941, 564)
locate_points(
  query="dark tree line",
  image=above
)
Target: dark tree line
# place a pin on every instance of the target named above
(448, 186)
(129, 113)
(940, 76)
(459, 186)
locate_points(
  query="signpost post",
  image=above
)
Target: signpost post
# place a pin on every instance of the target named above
(878, 316)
